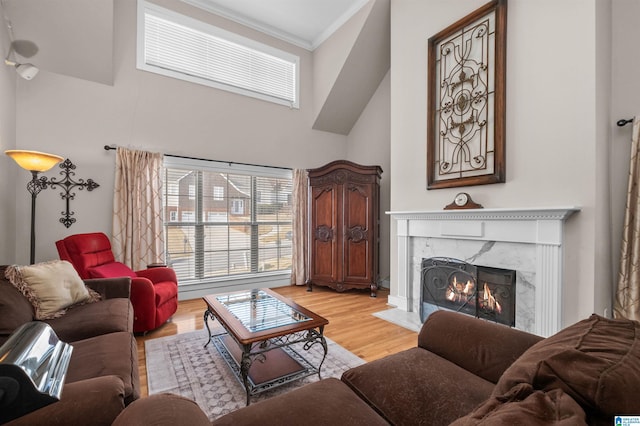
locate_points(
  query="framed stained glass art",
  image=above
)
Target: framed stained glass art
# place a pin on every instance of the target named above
(466, 100)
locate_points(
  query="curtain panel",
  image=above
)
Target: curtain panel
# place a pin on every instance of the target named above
(138, 234)
(627, 300)
(299, 223)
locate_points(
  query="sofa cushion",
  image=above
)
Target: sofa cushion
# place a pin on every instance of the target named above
(525, 406)
(82, 322)
(162, 409)
(595, 361)
(439, 394)
(16, 309)
(108, 354)
(51, 287)
(111, 270)
(326, 402)
(448, 334)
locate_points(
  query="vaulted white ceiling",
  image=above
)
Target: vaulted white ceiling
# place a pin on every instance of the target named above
(75, 38)
(83, 48)
(305, 23)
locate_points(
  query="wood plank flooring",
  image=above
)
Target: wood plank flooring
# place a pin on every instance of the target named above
(350, 323)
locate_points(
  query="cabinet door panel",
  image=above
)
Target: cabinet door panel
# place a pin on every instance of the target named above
(357, 232)
(324, 222)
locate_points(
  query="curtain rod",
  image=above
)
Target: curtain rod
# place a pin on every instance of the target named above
(113, 148)
(624, 122)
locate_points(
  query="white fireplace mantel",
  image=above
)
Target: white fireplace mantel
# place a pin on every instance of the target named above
(542, 227)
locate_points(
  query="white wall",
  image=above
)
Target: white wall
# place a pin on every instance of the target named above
(8, 168)
(330, 56)
(554, 126)
(625, 103)
(369, 144)
(75, 118)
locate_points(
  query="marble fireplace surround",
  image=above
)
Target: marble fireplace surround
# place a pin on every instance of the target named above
(529, 241)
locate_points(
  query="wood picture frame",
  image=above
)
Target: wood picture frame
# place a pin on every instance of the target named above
(466, 80)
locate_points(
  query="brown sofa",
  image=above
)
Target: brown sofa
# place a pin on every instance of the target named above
(464, 371)
(102, 377)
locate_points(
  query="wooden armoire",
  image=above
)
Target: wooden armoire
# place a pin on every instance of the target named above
(344, 209)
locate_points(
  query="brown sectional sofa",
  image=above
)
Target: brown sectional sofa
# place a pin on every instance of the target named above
(102, 377)
(465, 372)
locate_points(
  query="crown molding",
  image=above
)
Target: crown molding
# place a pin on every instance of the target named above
(272, 31)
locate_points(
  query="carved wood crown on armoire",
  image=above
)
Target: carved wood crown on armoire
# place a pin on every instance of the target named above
(344, 210)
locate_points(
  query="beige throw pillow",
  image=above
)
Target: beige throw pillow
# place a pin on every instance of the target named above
(51, 287)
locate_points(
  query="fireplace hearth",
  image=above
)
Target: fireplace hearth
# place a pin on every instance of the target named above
(480, 291)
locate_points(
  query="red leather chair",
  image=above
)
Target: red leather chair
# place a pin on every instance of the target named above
(154, 291)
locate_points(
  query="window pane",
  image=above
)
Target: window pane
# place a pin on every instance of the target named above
(239, 198)
(180, 253)
(182, 47)
(212, 231)
(216, 247)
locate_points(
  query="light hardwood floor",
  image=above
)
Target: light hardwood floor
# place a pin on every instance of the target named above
(350, 323)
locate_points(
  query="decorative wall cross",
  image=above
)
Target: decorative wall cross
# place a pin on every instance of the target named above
(68, 185)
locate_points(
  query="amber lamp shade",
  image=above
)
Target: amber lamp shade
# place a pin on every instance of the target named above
(34, 161)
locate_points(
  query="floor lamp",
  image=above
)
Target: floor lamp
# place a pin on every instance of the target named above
(35, 162)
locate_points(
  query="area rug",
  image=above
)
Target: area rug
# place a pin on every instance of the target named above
(181, 365)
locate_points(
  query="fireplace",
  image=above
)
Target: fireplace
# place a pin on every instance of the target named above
(480, 291)
(528, 240)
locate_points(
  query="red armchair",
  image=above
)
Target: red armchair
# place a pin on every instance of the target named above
(154, 291)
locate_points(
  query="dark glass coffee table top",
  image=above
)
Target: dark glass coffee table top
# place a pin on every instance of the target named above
(257, 310)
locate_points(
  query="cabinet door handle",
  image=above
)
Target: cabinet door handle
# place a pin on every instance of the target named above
(357, 234)
(324, 233)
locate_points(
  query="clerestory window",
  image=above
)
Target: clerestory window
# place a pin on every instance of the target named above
(181, 47)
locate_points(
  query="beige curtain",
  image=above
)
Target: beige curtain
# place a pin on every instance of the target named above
(299, 224)
(627, 301)
(138, 235)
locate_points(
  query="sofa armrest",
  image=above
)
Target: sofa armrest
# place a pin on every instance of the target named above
(96, 401)
(158, 274)
(110, 288)
(481, 347)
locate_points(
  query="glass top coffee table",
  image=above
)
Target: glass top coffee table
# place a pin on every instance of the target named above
(260, 326)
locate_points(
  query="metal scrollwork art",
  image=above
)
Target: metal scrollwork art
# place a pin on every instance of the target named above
(68, 185)
(466, 114)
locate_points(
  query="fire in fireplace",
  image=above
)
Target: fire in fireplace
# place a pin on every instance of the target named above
(481, 291)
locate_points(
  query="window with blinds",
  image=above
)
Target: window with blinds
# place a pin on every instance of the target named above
(181, 47)
(236, 220)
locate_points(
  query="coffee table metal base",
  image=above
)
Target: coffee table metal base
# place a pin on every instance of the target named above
(257, 352)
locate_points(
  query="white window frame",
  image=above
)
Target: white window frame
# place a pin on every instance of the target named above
(201, 286)
(218, 193)
(237, 206)
(145, 7)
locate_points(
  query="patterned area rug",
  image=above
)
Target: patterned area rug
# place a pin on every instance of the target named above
(181, 365)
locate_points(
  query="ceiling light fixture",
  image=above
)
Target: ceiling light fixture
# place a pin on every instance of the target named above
(26, 71)
(24, 48)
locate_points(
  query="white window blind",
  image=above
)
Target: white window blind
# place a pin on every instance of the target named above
(237, 234)
(181, 47)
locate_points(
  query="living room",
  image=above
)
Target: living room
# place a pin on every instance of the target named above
(579, 99)
(75, 118)
(570, 77)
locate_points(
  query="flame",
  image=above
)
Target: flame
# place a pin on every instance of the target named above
(459, 292)
(490, 301)
(468, 289)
